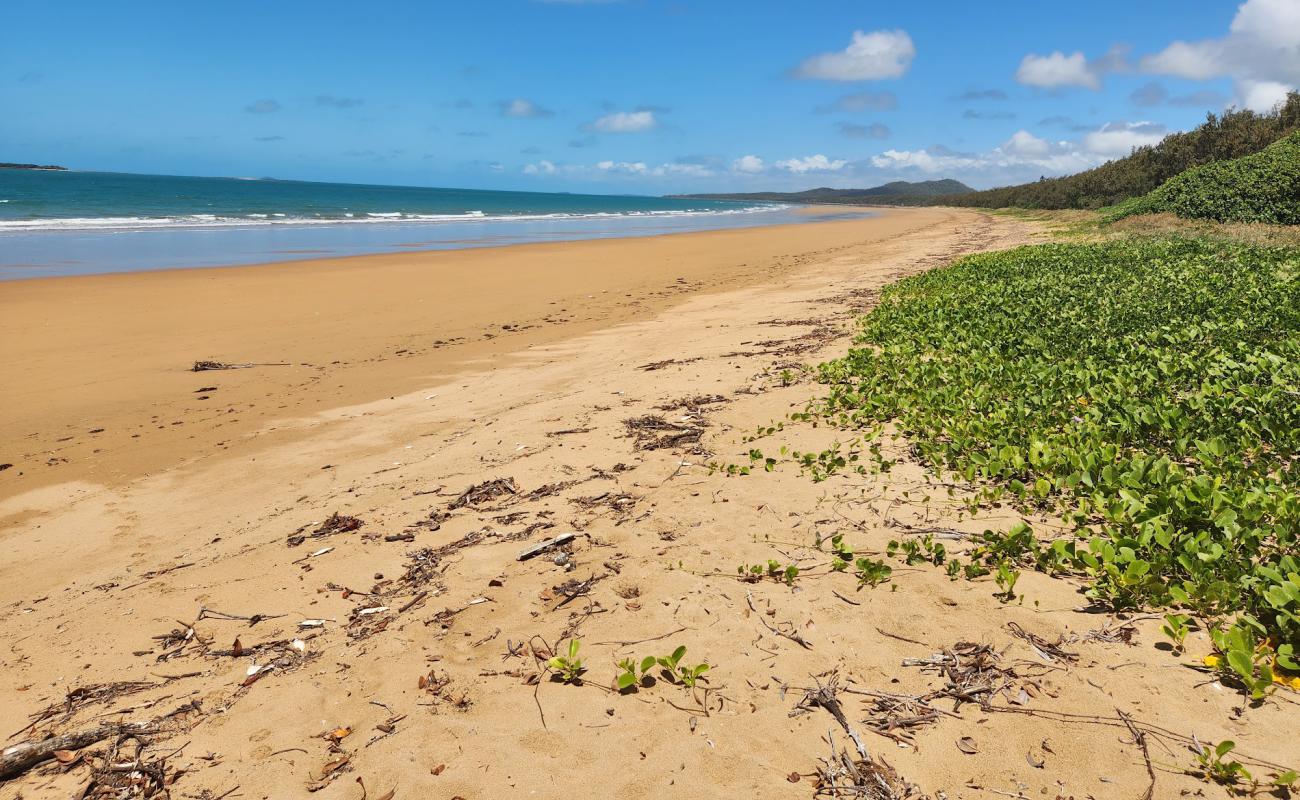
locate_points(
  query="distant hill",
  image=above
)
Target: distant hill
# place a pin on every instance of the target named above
(895, 193)
(1261, 187)
(1232, 135)
(5, 165)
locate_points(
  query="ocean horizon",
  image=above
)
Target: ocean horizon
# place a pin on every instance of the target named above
(76, 223)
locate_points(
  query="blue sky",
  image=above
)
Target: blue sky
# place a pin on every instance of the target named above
(645, 96)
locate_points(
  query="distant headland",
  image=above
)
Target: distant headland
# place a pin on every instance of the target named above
(4, 165)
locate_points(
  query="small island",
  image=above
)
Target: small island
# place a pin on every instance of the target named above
(4, 165)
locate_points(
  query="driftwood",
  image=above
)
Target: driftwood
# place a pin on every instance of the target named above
(546, 545)
(19, 758)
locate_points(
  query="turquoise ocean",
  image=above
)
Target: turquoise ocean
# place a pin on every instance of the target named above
(69, 223)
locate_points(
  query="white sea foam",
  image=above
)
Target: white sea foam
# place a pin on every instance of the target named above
(394, 217)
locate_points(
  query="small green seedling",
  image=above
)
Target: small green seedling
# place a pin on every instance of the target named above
(1285, 780)
(1213, 765)
(686, 675)
(689, 675)
(627, 678)
(569, 667)
(1176, 627)
(871, 572)
(1006, 577)
(841, 550)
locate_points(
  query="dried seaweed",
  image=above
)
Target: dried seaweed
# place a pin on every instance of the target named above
(484, 492)
(653, 432)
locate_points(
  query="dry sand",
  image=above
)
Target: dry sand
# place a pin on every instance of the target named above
(113, 556)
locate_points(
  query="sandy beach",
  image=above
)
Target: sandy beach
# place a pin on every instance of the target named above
(171, 559)
(100, 384)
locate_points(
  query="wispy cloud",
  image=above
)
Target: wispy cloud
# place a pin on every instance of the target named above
(971, 113)
(972, 95)
(264, 106)
(1062, 121)
(1149, 94)
(524, 109)
(626, 122)
(268, 138)
(338, 102)
(816, 163)
(873, 131)
(861, 101)
(869, 57)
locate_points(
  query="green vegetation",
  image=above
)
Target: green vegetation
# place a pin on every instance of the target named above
(1231, 135)
(1146, 390)
(568, 667)
(753, 573)
(685, 674)
(871, 572)
(1263, 187)
(627, 676)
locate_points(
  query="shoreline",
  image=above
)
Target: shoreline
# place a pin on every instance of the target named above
(101, 390)
(793, 215)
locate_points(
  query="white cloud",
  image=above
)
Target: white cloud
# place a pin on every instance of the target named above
(1274, 21)
(817, 163)
(1260, 53)
(1057, 70)
(626, 122)
(1262, 95)
(869, 57)
(1024, 155)
(1116, 140)
(629, 167)
(923, 160)
(1024, 143)
(748, 164)
(524, 109)
(542, 167)
(1198, 62)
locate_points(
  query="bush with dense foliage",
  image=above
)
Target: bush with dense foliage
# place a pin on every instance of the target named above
(1263, 187)
(1147, 390)
(1231, 135)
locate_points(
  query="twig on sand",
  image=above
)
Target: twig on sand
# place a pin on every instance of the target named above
(209, 366)
(21, 757)
(824, 697)
(642, 641)
(793, 635)
(1140, 738)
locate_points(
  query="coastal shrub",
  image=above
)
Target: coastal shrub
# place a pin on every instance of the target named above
(1146, 390)
(1263, 187)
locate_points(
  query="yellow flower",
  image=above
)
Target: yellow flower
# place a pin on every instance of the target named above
(1211, 661)
(1083, 401)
